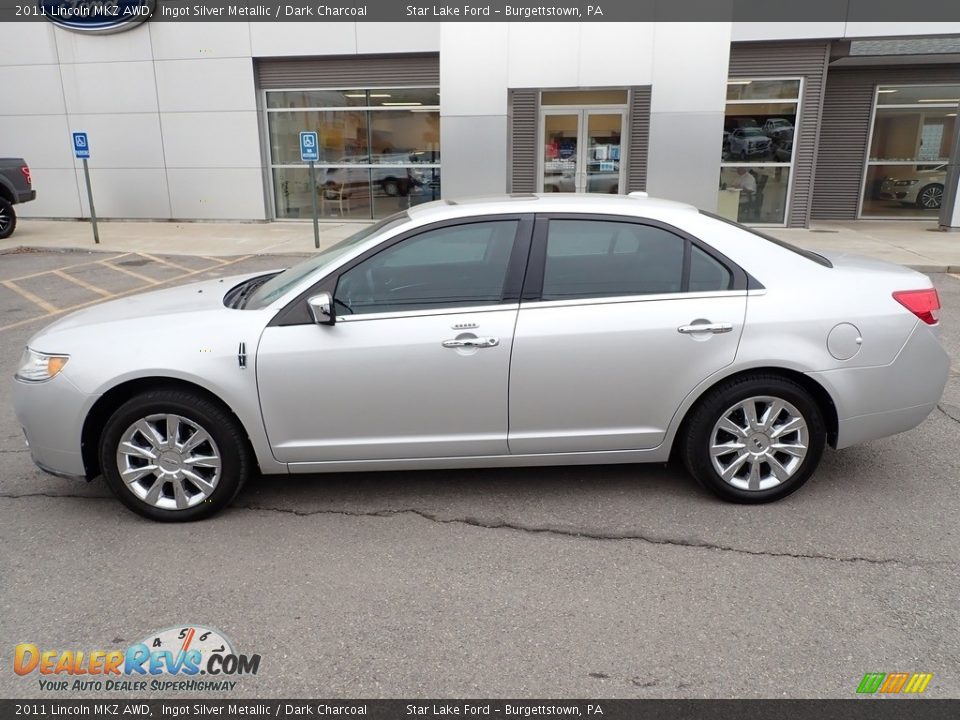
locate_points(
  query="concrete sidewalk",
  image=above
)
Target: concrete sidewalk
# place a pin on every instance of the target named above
(915, 244)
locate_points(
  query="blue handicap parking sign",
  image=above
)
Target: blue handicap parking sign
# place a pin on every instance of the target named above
(309, 152)
(81, 147)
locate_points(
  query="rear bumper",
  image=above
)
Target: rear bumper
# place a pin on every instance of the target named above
(26, 196)
(876, 402)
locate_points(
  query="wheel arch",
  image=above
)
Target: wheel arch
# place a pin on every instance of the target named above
(817, 391)
(116, 396)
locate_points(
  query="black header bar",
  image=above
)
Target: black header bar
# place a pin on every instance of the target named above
(492, 10)
(187, 708)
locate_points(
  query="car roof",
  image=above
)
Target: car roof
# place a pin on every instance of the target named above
(638, 204)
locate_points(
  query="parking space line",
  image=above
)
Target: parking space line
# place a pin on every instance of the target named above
(67, 267)
(83, 283)
(165, 262)
(35, 299)
(132, 291)
(954, 276)
(132, 273)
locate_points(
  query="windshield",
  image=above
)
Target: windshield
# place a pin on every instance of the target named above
(279, 284)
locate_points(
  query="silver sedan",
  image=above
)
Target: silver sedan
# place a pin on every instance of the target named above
(525, 330)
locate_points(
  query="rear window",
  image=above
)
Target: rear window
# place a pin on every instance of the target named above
(808, 254)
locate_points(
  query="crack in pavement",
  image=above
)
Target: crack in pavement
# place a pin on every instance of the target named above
(592, 535)
(540, 530)
(951, 411)
(17, 496)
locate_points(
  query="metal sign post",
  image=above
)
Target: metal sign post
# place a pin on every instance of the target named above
(310, 153)
(81, 149)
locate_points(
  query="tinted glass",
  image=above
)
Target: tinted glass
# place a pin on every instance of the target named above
(280, 284)
(454, 266)
(707, 274)
(598, 258)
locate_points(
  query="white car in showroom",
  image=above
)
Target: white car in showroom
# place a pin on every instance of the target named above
(553, 329)
(920, 188)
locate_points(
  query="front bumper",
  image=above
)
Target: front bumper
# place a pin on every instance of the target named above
(51, 414)
(876, 402)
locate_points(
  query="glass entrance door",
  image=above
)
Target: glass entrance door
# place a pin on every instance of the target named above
(582, 150)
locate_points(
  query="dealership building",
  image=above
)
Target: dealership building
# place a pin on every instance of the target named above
(779, 124)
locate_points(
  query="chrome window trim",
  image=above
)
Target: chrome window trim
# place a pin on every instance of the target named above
(427, 312)
(619, 299)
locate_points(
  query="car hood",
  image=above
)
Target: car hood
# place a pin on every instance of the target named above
(181, 300)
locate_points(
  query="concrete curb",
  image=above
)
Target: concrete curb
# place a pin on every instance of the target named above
(929, 269)
(32, 249)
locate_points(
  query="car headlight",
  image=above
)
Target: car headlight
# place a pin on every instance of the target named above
(904, 183)
(37, 367)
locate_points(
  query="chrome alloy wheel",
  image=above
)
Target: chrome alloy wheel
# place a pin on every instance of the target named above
(168, 461)
(931, 197)
(5, 220)
(759, 443)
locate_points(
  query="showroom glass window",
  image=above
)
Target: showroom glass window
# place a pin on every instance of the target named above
(379, 150)
(911, 141)
(757, 152)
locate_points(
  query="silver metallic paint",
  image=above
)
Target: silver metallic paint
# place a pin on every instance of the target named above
(369, 412)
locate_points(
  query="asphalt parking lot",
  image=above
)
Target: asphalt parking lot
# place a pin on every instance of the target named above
(619, 581)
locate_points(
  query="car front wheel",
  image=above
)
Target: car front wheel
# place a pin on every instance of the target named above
(174, 456)
(754, 439)
(930, 197)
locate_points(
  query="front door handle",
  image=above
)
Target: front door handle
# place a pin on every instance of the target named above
(714, 328)
(480, 342)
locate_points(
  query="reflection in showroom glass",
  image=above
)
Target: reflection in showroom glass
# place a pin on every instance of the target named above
(379, 150)
(754, 194)
(911, 142)
(356, 193)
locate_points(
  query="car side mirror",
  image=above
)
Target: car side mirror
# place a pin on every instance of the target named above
(321, 308)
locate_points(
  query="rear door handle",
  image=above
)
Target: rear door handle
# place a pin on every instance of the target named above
(714, 328)
(480, 342)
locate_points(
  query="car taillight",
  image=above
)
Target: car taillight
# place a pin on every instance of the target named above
(26, 174)
(925, 304)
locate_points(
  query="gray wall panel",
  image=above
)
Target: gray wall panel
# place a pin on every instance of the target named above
(792, 59)
(687, 166)
(524, 118)
(474, 155)
(845, 128)
(639, 138)
(348, 72)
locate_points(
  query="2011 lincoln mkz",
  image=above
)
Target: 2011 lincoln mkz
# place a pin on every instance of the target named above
(521, 330)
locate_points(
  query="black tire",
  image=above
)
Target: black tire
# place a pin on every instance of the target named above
(391, 187)
(930, 197)
(236, 459)
(8, 219)
(696, 435)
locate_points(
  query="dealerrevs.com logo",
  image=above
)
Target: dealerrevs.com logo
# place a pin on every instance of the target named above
(189, 658)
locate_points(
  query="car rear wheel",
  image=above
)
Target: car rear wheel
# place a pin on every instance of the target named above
(174, 456)
(930, 197)
(754, 439)
(392, 187)
(8, 219)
